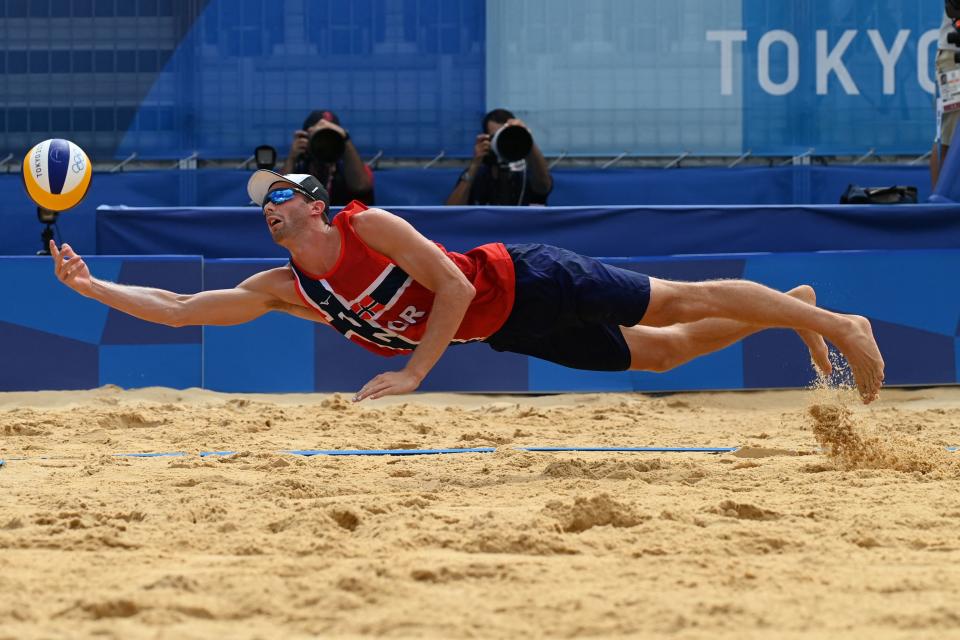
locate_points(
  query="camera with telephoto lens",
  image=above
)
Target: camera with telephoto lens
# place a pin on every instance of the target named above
(952, 9)
(509, 144)
(954, 36)
(327, 146)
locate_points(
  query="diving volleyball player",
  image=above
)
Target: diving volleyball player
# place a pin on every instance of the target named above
(371, 276)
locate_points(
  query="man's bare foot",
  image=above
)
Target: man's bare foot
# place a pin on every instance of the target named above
(814, 341)
(858, 345)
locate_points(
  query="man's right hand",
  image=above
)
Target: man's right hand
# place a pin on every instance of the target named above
(481, 147)
(300, 143)
(70, 268)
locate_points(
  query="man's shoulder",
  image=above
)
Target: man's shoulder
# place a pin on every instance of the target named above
(270, 281)
(373, 224)
(369, 215)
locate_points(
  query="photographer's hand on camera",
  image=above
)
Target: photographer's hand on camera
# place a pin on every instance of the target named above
(326, 124)
(351, 164)
(481, 151)
(298, 146)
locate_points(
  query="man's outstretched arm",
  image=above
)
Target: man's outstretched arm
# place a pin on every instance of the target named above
(249, 300)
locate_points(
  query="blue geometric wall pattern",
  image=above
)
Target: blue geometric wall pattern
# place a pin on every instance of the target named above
(775, 359)
(47, 323)
(151, 365)
(35, 359)
(55, 338)
(273, 353)
(915, 356)
(172, 274)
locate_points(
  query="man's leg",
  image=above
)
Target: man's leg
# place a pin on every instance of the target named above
(663, 348)
(755, 305)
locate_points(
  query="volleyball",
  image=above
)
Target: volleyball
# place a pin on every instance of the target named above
(56, 174)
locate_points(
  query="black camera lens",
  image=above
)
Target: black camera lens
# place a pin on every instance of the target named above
(511, 143)
(326, 145)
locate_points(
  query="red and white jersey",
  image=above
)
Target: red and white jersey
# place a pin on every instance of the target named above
(369, 299)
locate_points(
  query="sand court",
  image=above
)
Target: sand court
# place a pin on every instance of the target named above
(789, 535)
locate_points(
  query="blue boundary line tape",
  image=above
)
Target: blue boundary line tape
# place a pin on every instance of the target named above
(360, 452)
(167, 454)
(638, 449)
(384, 452)
(414, 452)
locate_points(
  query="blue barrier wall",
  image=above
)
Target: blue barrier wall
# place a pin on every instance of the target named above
(52, 338)
(424, 188)
(596, 231)
(413, 77)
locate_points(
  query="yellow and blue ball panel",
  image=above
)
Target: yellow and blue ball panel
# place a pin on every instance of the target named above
(56, 174)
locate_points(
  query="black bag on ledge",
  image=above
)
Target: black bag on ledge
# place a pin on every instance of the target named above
(855, 194)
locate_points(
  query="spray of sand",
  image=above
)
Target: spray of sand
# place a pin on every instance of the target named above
(850, 443)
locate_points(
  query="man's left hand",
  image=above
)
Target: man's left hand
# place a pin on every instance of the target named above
(326, 124)
(388, 384)
(520, 123)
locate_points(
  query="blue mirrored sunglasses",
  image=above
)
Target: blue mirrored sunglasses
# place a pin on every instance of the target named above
(279, 196)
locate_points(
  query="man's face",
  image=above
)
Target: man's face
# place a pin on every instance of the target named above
(286, 219)
(493, 127)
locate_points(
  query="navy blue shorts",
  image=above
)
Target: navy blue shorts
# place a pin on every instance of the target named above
(569, 308)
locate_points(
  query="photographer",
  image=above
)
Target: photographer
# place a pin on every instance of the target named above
(948, 86)
(507, 166)
(324, 150)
